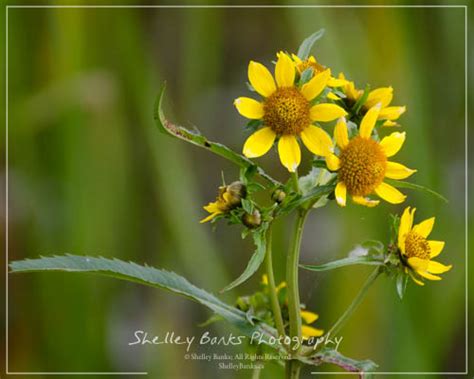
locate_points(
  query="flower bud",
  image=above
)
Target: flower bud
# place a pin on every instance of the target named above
(253, 220)
(278, 196)
(235, 191)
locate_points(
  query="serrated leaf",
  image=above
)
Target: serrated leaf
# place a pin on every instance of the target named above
(362, 260)
(306, 46)
(168, 128)
(149, 276)
(256, 259)
(402, 184)
(175, 283)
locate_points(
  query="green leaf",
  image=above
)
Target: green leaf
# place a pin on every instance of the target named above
(170, 281)
(247, 205)
(148, 276)
(402, 184)
(402, 280)
(306, 46)
(349, 261)
(306, 75)
(327, 355)
(259, 237)
(196, 139)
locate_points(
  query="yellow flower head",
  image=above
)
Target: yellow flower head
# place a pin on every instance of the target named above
(229, 197)
(362, 163)
(308, 331)
(417, 252)
(286, 112)
(382, 96)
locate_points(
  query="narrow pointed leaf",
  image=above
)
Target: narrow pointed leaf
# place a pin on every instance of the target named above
(306, 46)
(255, 261)
(402, 184)
(363, 260)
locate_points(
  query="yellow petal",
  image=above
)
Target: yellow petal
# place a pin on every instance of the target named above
(418, 264)
(309, 331)
(249, 108)
(265, 279)
(296, 58)
(398, 171)
(369, 120)
(285, 71)
(210, 217)
(261, 79)
(390, 123)
(390, 193)
(436, 247)
(326, 112)
(316, 140)
(333, 82)
(438, 268)
(333, 96)
(213, 207)
(341, 194)
(429, 276)
(289, 151)
(392, 143)
(316, 85)
(381, 95)
(259, 143)
(333, 162)
(419, 282)
(309, 317)
(424, 228)
(341, 134)
(406, 223)
(391, 113)
(365, 201)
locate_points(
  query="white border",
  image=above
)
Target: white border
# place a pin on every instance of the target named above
(7, 7)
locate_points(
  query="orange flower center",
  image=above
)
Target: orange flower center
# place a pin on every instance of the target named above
(286, 111)
(363, 165)
(416, 246)
(307, 64)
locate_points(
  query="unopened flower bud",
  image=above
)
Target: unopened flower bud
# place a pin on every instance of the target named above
(253, 220)
(233, 193)
(278, 196)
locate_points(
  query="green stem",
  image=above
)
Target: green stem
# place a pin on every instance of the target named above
(271, 282)
(296, 186)
(294, 309)
(355, 303)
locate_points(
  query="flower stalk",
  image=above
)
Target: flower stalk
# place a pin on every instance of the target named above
(356, 302)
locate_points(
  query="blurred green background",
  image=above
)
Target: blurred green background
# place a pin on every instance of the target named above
(90, 174)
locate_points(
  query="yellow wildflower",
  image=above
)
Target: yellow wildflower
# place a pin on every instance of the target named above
(362, 163)
(286, 112)
(417, 252)
(382, 96)
(229, 197)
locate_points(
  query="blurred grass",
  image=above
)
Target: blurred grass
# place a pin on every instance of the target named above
(89, 173)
